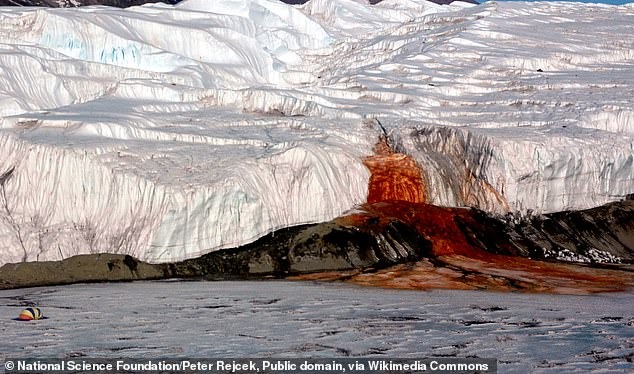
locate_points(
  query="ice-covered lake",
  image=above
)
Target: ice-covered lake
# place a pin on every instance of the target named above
(282, 319)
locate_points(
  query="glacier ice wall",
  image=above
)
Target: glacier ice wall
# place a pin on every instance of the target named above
(173, 195)
(505, 106)
(167, 132)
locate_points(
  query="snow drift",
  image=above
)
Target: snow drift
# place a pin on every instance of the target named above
(166, 132)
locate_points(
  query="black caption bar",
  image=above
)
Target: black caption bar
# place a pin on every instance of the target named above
(253, 365)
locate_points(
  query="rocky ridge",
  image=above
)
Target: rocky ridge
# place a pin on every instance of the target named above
(590, 250)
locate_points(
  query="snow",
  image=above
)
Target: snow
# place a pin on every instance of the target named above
(526, 333)
(166, 132)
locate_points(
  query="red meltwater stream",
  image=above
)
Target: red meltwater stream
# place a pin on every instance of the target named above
(397, 193)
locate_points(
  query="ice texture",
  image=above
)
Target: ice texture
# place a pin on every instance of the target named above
(526, 333)
(167, 132)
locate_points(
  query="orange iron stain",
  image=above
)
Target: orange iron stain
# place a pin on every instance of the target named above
(394, 176)
(397, 192)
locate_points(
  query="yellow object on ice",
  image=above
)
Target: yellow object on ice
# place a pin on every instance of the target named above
(30, 314)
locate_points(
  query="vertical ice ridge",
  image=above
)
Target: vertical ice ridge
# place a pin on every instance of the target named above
(65, 203)
(301, 184)
(470, 167)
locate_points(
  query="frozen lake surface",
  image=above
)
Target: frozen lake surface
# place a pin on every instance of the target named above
(281, 319)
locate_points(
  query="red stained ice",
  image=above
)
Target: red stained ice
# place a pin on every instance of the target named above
(397, 192)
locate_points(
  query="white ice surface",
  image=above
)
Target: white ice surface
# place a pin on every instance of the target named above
(526, 333)
(167, 132)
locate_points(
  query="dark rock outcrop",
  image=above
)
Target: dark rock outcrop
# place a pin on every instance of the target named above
(290, 251)
(600, 235)
(425, 245)
(102, 267)
(570, 252)
(311, 248)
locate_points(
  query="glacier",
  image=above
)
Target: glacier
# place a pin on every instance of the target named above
(169, 131)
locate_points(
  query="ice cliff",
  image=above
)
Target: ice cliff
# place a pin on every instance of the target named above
(166, 132)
